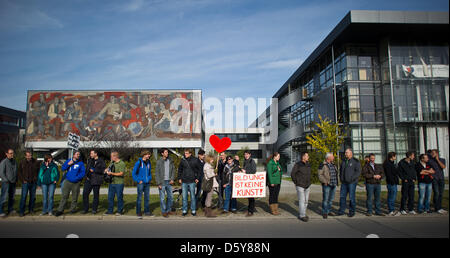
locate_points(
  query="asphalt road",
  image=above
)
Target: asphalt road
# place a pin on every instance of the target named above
(342, 227)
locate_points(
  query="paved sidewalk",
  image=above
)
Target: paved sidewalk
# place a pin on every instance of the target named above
(287, 187)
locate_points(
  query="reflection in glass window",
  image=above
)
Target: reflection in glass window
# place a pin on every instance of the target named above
(365, 61)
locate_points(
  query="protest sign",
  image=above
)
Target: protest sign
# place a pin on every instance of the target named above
(249, 185)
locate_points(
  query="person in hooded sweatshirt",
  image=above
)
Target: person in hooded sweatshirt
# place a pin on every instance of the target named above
(75, 173)
(8, 178)
(142, 175)
(47, 178)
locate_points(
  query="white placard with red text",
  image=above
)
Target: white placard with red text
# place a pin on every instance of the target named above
(249, 185)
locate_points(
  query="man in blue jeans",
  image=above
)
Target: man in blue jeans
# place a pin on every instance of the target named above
(188, 175)
(142, 176)
(392, 181)
(425, 174)
(165, 176)
(438, 164)
(328, 177)
(27, 173)
(117, 170)
(8, 178)
(349, 175)
(373, 173)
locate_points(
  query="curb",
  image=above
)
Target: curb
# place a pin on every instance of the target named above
(179, 218)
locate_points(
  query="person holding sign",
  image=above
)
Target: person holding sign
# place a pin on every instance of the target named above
(274, 173)
(301, 176)
(249, 168)
(227, 181)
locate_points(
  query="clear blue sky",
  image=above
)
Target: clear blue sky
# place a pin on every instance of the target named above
(227, 48)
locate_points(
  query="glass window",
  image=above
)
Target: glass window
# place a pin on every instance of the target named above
(366, 88)
(364, 61)
(352, 74)
(352, 61)
(354, 109)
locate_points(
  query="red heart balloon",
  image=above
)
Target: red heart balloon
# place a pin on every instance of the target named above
(220, 145)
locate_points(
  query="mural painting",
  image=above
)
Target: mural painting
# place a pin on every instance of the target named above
(112, 116)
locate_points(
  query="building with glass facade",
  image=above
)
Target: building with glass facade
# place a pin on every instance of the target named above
(385, 73)
(12, 129)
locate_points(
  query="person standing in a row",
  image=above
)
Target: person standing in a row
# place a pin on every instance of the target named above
(47, 179)
(301, 176)
(407, 173)
(94, 179)
(392, 180)
(349, 175)
(142, 176)
(209, 174)
(188, 175)
(328, 176)
(438, 164)
(373, 173)
(227, 180)
(75, 173)
(8, 179)
(249, 168)
(117, 170)
(425, 178)
(274, 173)
(27, 174)
(220, 167)
(165, 176)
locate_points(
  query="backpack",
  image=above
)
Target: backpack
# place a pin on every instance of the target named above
(139, 168)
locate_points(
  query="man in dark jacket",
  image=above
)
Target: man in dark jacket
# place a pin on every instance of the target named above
(438, 164)
(373, 173)
(391, 172)
(407, 173)
(27, 174)
(201, 164)
(165, 176)
(349, 175)
(188, 178)
(220, 168)
(301, 176)
(249, 168)
(94, 179)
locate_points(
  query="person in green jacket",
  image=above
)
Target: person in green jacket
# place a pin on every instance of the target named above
(47, 178)
(274, 172)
